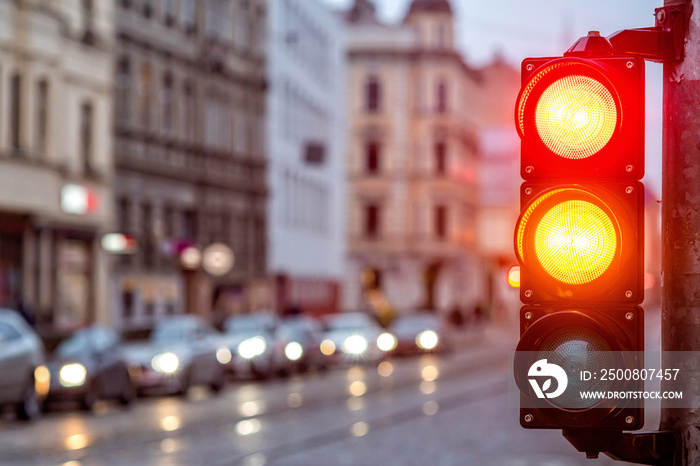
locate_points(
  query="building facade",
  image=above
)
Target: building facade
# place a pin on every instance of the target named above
(500, 183)
(306, 170)
(412, 164)
(189, 153)
(55, 159)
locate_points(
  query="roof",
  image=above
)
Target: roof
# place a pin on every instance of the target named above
(434, 6)
(363, 11)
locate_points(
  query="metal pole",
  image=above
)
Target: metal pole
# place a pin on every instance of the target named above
(680, 327)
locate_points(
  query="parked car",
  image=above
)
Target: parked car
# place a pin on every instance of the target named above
(89, 366)
(420, 333)
(301, 337)
(23, 377)
(181, 352)
(352, 337)
(254, 344)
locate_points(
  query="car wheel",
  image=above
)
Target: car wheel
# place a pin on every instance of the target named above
(29, 409)
(184, 387)
(218, 382)
(89, 399)
(128, 394)
(259, 373)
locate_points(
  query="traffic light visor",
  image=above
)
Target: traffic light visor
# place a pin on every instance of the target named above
(571, 107)
(570, 233)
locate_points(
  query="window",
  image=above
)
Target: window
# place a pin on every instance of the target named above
(372, 157)
(87, 11)
(123, 216)
(441, 106)
(372, 220)
(314, 153)
(168, 98)
(146, 240)
(42, 102)
(147, 8)
(216, 12)
(189, 225)
(15, 111)
(441, 221)
(145, 95)
(86, 128)
(169, 12)
(211, 120)
(441, 36)
(373, 94)
(440, 158)
(189, 118)
(128, 301)
(241, 25)
(189, 16)
(168, 221)
(123, 84)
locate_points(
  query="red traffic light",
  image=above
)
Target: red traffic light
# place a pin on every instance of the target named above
(582, 117)
(579, 237)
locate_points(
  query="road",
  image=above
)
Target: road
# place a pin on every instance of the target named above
(432, 409)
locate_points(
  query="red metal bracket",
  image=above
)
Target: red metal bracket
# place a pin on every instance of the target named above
(661, 43)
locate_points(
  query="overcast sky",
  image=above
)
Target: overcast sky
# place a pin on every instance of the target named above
(530, 28)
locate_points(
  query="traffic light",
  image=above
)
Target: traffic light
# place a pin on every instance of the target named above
(579, 237)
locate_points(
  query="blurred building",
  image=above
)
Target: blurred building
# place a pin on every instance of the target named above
(189, 154)
(500, 182)
(412, 163)
(306, 171)
(55, 159)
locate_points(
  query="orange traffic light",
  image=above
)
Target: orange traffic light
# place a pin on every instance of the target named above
(580, 243)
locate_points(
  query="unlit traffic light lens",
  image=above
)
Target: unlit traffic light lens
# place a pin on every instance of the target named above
(576, 349)
(576, 116)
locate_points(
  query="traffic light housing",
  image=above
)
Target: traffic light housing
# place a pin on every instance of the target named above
(581, 243)
(602, 339)
(579, 237)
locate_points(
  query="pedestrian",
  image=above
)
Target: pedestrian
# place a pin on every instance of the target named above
(456, 318)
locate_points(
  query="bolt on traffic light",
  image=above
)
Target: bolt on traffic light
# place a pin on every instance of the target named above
(579, 237)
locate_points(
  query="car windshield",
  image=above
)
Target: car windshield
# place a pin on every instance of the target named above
(248, 324)
(416, 323)
(169, 333)
(76, 345)
(350, 322)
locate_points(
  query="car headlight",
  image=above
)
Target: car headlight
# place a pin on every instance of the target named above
(72, 375)
(327, 347)
(293, 351)
(355, 344)
(386, 341)
(252, 347)
(427, 339)
(165, 363)
(223, 355)
(42, 380)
